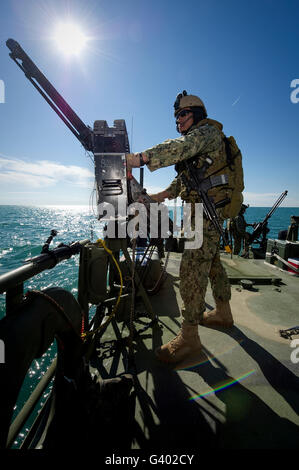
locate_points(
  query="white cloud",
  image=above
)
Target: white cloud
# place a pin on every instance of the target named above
(267, 199)
(28, 179)
(42, 173)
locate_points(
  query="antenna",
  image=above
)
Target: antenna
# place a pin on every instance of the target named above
(141, 177)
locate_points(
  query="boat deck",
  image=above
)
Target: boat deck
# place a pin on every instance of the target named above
(241, 391)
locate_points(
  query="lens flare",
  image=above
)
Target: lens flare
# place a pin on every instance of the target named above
(223, 386)
(70, 39)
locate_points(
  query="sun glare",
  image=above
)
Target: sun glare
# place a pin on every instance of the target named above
(69, 38)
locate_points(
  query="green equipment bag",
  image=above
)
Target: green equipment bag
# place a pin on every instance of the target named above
(230, 166)
(234, 170)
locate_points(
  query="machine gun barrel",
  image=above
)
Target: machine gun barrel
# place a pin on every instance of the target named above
(38, 264)
(50, 94)
(261, 226)
(274, 207)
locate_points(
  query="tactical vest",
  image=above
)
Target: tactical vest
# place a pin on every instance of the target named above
(232, 167)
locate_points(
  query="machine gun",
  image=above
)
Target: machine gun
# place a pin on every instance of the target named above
(197, 181)
(261, 229)
(108, 144)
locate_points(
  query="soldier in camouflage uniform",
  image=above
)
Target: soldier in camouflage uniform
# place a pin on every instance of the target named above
(237, 228)
(201, 137)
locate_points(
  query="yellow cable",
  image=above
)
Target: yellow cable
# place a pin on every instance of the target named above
(100, 241)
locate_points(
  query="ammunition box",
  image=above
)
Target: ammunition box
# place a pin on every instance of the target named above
(284, 248)
(92, 285)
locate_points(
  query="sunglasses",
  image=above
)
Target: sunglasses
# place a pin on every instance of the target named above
(183, 113)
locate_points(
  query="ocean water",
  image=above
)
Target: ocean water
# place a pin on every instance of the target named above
(23, 232)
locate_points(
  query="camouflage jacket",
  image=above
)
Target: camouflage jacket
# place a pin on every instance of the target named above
(240, 225)
(202, 140)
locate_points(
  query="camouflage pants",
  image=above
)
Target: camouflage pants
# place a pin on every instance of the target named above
(197, 267)
(240, 240)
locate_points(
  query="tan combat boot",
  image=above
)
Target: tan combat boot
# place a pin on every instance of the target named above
(185, 343)
(220, 316)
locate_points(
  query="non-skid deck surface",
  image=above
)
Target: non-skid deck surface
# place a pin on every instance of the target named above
(240, 392)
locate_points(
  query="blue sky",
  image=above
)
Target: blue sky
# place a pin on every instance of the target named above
(239, 57)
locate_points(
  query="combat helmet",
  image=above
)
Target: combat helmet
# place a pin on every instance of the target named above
(243, 208)
(183, 100)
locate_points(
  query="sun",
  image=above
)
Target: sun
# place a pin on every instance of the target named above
(69, 38)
